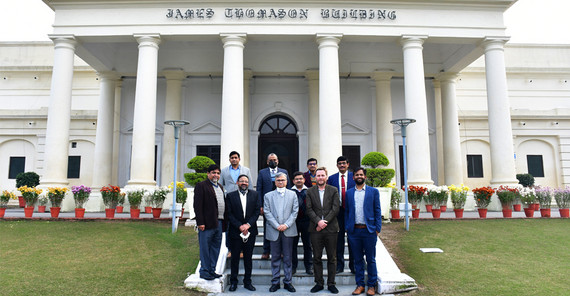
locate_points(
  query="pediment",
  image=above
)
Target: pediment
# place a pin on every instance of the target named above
(351, 128)
(208, 127)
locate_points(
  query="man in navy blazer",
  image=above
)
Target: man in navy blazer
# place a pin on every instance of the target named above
(337, 181)
(363, 224)
(265, 184)
(243, 207)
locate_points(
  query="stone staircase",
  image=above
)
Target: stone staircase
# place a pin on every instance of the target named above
(391, 279)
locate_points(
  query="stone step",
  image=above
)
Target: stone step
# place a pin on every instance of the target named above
(263, 290)
(264, 276)
(257, 262)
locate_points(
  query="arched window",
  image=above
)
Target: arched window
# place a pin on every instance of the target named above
(278, 125)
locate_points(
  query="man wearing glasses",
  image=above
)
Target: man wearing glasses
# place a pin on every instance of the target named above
(311, 174)
(281, 207)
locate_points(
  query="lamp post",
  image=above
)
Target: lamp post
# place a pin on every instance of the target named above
(177, 124)
(403, 123)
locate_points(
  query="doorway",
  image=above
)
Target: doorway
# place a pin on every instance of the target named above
(278, 134)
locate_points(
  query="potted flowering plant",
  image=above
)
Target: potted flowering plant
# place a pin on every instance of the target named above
(121, 202)
(29, 179)
(528, 198)
(544, 198)
(181, 194)
(148, 201)
(5, 197)
(562, 197)
(158, 197)
(30, 195)
(135, 196)
(80, 195)
(415, 196)
(507, 195)
(482, 197)
(111, 196)
(56, 195)
(42, 203)
(437, 195)
(395, 199)
(458, 198)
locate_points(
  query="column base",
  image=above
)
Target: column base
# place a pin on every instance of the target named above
(498, 182)
(420, 182)
(139, 183)
(53, 183)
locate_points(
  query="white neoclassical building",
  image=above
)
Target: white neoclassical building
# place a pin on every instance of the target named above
(299, 78)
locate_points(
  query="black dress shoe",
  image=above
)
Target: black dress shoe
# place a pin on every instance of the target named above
(309, 271)
(339, 270)
(217, 275)
(207, 277)
(333, 289)
(233, 287)
(274, 287)
(290, 288)
(316, 288)
(249, 287)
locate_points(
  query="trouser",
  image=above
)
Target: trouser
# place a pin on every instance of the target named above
(282, 246)
(209, 241)
(239, 246)
(364, 244)
(303, 228)
(326, 240)
(340, 244)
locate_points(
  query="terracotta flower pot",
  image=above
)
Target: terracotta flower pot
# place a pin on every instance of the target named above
(482, 213)
(529, 212)
(395, 214)
(156, 212)
(2, 212)
(536, 206)
(429, 208)
(41, 209)
(54, 211)
(436, 213)
(110, 213)
(415, 213)
(21, 202)
(458, 213)
(79, 213)
(28, 212)
(517, 207)
(545, 213)
(564, 213)
(443, 209)
(135, 213)
(119, 209)
(148, 210)
(507, 213)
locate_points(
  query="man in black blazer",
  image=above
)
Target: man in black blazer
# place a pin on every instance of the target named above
(242, 207)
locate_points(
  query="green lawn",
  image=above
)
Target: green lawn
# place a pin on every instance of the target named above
(95, 258)
(485, 257)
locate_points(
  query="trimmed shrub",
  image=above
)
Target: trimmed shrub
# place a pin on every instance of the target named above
(30, 179)
(526, 180)
(199, 164)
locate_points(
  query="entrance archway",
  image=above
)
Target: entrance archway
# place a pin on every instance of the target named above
(278, 134)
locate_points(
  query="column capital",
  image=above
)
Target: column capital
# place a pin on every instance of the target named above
(411, 41)
(233, 39)
(173, 74)
(312, 74)
(108, 75)
(382, 75)
(325, 40)
(63, 41)
(491, 43)
(447, 77)
(247, 74)
(152, 40)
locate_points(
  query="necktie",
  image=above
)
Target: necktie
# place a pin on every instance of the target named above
(343, 190)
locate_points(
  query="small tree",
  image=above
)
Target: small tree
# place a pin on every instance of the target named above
(199, 164)
(30, 179)
(375, 175)
(526, 180)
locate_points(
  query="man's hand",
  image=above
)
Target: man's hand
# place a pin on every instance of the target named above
(202, 227)
(244, 228)
(261, 211)
(322, 224)
(282, 227)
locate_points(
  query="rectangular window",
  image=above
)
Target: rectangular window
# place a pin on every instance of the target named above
(353, 155)
(211, 151)
(535, 166)
(73, 167)
(474, 166)
(17, 165)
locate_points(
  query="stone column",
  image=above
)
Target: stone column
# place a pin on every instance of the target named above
(116, 131)
(312, 77)
(417, 140)
(103, 156)
(232, 130)
(172, 111)
(384, 129)
(500, 130)
(59, 113)
(453, 167)
(330, 120)
(245, 159)
(438, 132)
(144, 122)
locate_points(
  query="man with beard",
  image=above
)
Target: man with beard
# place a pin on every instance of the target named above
(209, 206)
(265, 184)
(243, 210)
(363, 224)
(322, 209)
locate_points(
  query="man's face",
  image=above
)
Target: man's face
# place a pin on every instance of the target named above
(281, 182)
(359, 177)
(312, 166)
(299, 180)
(274, 158)
(234, 160)
(342, 166)
(214, 175)
(243, 183)
(321, 177)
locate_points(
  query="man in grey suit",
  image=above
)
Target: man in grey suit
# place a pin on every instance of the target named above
(323, 204)
(280, 207)
(229, 174)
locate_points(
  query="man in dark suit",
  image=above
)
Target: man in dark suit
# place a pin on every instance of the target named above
(302, 225)
(343, 180)
(243, 210)
(265, 184)
(209, 207)
(363, 224)
(310, 175)
(322, 208)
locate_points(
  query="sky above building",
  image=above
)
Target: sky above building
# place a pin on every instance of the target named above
(527, 21)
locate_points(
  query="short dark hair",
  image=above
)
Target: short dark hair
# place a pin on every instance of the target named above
(297, 173)
(234, 152)
(341, 158)
(213, 167)
(312, 159)
(358, 169)
(243, 175)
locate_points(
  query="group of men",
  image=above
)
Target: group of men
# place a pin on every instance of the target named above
(317, 208)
